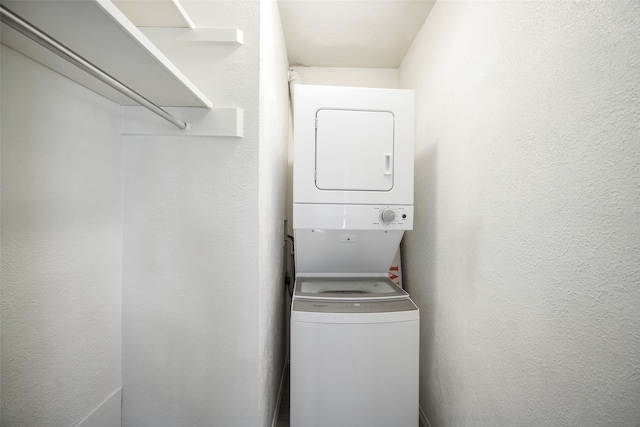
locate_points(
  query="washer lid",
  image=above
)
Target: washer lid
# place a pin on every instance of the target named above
(351, 288)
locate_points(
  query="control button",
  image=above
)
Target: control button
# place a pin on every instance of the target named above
(388, 215)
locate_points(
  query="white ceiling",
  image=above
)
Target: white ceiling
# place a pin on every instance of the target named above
(321, 33)
(351, 33)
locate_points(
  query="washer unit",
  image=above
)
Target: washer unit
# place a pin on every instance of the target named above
(354, 333)
(354, 360)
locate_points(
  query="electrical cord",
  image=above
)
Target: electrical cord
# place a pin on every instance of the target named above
(290, 263)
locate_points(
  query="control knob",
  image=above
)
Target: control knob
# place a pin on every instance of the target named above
(388, 216)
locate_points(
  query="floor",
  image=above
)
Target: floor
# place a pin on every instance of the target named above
(283, 415)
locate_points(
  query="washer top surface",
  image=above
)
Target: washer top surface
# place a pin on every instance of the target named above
(351, 288)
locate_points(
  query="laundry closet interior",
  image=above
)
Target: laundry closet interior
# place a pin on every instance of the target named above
(146, 255)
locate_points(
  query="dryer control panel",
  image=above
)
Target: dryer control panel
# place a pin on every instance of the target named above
(393, 215)
(352, 217)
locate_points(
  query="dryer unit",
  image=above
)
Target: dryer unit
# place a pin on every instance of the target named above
(352, 178)
(353, 145)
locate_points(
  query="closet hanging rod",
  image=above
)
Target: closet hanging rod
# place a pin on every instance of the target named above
(24, 27)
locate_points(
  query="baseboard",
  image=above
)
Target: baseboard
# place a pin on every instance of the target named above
(107, 414)
(274, 420)
(424, 422)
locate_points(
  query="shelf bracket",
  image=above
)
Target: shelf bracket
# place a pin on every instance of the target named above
(206, 35)
(218, 121)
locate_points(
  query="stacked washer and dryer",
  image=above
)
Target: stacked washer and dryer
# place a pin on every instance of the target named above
(354, 333)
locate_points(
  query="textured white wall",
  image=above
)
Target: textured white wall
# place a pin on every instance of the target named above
(354, 77)
(61, 246)
(525, 257)
(203, 252)
(273, 143)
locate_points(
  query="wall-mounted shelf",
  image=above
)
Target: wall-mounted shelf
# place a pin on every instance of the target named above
(159, 13)
(98, 31)
(185, 35)
(202, 122)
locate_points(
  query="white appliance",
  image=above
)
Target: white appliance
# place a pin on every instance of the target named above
(354, 333)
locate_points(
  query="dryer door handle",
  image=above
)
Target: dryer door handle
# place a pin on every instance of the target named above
(387, 164)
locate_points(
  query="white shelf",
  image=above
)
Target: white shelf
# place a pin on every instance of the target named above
(98, 31)
(159, 13)
(202, 122)
(190, 35)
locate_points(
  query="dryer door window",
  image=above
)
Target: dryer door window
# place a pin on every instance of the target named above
(354, 150)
